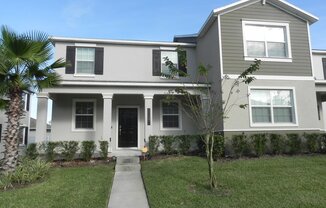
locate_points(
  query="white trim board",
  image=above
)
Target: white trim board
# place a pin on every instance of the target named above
(272, 77)
(132, 84)
(121, 42)
(272, 129)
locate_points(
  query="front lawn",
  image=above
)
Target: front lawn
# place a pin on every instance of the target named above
(278, 182)
(66, 187)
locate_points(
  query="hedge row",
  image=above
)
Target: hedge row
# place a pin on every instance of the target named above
(67, 150)
(241, 145)
(275, 144)
(184, 145)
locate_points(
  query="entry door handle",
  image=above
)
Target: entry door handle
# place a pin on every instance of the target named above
(119, 129)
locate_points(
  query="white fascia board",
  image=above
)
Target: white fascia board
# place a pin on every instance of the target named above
(315, 51)
(132, 84)
(122, 42)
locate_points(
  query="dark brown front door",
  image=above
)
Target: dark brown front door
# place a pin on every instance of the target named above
(128, 127)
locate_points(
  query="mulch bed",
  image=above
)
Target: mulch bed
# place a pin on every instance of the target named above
(81, 163)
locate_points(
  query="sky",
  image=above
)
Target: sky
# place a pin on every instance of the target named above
(155, 20)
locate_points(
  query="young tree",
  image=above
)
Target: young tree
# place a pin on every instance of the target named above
(24, 68)
(208, 109)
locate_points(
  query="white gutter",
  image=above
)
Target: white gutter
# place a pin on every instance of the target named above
(120, 42)
(131, 84)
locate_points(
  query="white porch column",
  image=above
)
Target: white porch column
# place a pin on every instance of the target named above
(148, 107)
(42, 114)
(107, 119)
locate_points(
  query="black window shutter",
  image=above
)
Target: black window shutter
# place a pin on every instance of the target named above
(26, 136)
(157, 63)
(324, 67)
(182, 59)
(70, 59)
(99, 57)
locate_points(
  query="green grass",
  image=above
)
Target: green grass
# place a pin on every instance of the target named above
(66, 187)
(267, 182)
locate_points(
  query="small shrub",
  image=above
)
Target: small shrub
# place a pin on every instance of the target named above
(153, 145)
(322, 143)
(104, 149)
(277, 143)
(87, 150)
(49, 148)
(69, 149)
(218, 149)
(31, 151)
(239, 144)
(259, 144)
(184, 142)
(294, 143)
(167, 142)
(312, 142)
(5, 182)
(200, 145)
(28, 171)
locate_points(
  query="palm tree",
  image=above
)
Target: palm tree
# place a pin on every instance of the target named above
(24, 68)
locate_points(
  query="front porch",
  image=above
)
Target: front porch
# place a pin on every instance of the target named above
(123, 117)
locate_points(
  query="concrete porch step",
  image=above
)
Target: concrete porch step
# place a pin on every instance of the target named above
(127, 168)
(125, 160)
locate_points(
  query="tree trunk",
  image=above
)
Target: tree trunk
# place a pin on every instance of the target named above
(14, 112)
(209, 156)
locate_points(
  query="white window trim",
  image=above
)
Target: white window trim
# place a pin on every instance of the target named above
(272, 124)
(76, 74)
(73, 127)
(262, 23)
(24, 137)
(179, 113)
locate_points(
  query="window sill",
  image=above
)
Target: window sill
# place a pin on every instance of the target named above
(174, 78)
(288, 60)
(84, 75)
(171, 129)
(83, 130)
(274, 125)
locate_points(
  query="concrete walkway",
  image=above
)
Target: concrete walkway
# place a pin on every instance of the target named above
(128, 188)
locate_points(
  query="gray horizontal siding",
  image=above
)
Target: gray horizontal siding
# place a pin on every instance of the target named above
(232, 42)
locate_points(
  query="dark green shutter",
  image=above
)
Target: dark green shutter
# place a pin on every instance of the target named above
(70, 59)
(99, 57)
(156, 63)
(182, 59)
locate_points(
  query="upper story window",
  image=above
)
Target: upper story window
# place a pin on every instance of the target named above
(267, 41)
(272, 107)
(178, 58)
(85, 60)
(173, 57)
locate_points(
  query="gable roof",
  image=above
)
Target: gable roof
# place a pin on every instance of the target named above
(282, 4)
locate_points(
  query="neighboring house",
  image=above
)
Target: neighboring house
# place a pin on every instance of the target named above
(319, 68)
(113, 90)
(32, 131)
(24, 125)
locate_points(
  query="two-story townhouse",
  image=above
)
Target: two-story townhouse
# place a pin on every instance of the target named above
(113, 90)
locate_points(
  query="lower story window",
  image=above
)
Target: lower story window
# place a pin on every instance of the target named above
(170, 115)
(84, 115)
(272, 106)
